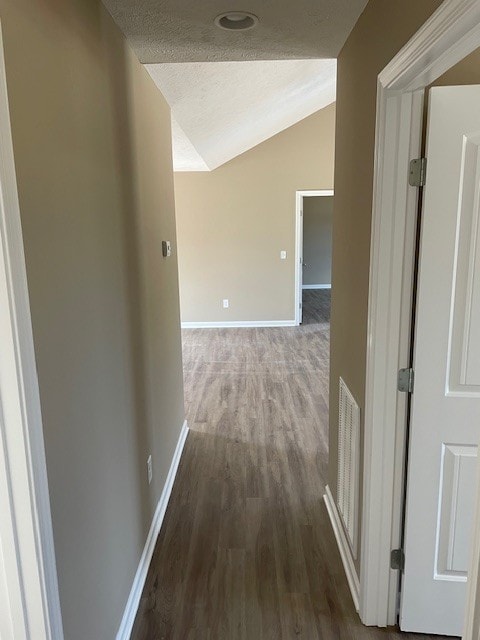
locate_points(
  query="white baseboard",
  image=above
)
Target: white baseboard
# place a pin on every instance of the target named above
(239, 323)
(316, 286)
(133, 601)
(343, 547)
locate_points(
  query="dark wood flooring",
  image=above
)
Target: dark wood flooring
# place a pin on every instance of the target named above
(246, 551)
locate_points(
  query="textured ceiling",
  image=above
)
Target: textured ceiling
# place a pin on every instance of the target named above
(185, 156)
(183, 30)
(221, 109)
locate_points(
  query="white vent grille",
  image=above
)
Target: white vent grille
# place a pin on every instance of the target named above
(348, 463)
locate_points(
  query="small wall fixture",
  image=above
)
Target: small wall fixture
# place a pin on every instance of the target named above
(166, 248)
(236, 21)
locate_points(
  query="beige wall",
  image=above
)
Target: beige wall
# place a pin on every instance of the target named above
(382, 30)
(233, 222)
(93, 157)
(317, 239)
(467, 71)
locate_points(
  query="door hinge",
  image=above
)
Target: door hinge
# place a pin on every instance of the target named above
(299, 305)
(418, 172)
(405, 380)
(397, 559)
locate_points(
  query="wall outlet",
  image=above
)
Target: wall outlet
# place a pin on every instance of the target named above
(283, 255)
(226, 303)
(149, 469)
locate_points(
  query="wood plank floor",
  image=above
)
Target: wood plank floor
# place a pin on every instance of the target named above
(246, 551)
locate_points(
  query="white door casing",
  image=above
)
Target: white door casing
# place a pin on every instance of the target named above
(299, 262)
(301, 266)
(445, 419)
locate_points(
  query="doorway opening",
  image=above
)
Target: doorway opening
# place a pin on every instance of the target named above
(313, 255)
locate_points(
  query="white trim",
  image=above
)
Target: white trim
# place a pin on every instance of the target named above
(133, 601)
(238, 323)
(299, 195)
(451, 33)
(297, 312)
(343, 547)
(32, 609)
(316, 286)
(312, 193)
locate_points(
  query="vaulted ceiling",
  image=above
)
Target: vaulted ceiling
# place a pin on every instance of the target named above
(231, 90)
(221, 109)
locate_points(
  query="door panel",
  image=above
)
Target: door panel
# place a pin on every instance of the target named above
(445, 418)
(455, 513)
(464, 369)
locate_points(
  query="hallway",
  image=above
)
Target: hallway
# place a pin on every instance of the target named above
(246, 550)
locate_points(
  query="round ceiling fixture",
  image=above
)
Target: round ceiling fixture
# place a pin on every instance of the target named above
(236, 21)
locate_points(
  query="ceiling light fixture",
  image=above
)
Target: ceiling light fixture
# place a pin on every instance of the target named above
(236, 21)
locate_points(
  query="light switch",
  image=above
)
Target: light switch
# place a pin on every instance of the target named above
(166, 249)
(283, 255)
(149, 469)
(226, 303)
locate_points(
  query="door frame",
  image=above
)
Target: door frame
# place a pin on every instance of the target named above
(450, 34)
(27, 558)
(299, 196)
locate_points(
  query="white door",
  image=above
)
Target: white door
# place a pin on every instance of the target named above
(445, 419)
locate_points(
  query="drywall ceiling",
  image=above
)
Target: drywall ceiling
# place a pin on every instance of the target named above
(221, 109)
(184, 30)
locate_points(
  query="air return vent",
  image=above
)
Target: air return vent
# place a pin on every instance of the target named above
(348, 463)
